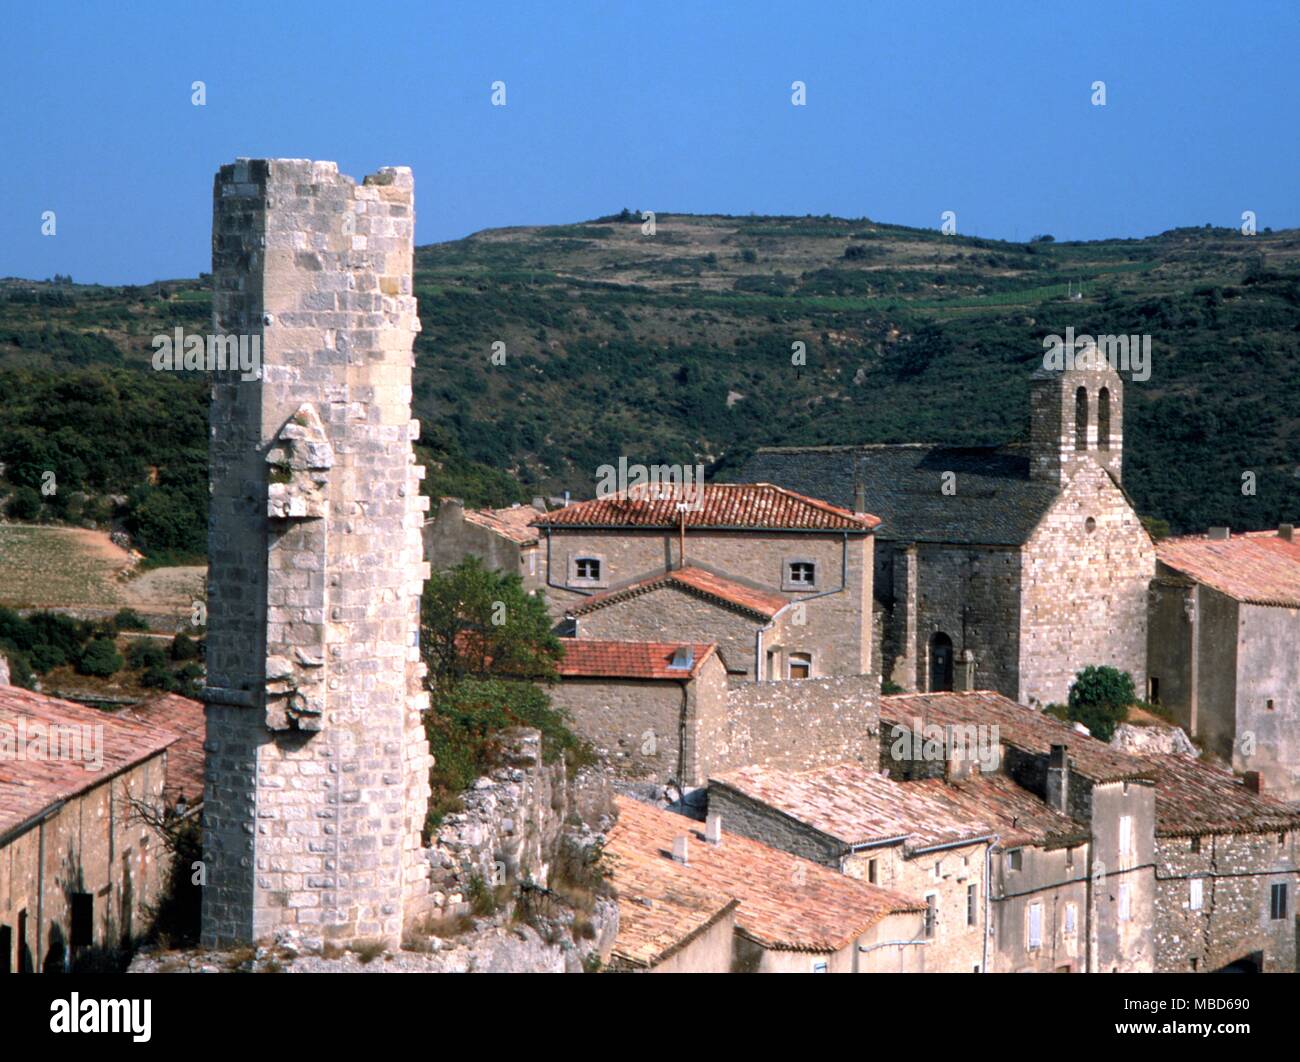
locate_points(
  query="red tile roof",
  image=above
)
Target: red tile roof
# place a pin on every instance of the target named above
(29, 784)
(1256, 568)
(1194, 798)
(740, 506)
(855, 804)
(764, 604)
(185, 758)
(594, 658)
(786, 903)
(1018, 726)
(512, 523)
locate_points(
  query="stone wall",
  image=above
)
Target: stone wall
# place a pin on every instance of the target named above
(635, 723)
(317, 763)
(1237, 873)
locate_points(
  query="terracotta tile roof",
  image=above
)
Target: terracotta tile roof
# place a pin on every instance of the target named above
(855, 804)
(763, 604)
(661, 908)
(596, 658)
(1018, 726)
(1194, 798)
(786, 903)
(29, 785)
(741, 506)
(512, 522)
(185, 717)
(1257, 568)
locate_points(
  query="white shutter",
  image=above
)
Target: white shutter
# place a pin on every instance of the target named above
(1124, 906)
(1194, 894)
(1035, 925)
(1125, 839)
(1071, 919)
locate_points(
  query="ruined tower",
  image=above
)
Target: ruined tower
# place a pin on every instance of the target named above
(316, 764)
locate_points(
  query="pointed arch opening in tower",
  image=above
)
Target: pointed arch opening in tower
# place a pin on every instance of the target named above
(1103, 419)
(1081, 419)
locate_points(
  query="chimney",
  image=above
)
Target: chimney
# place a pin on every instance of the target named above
(539, 503)
(1058, 779)
(713, 828)
(1286, 531)
(859, 497)
(1219, 534)
(679, 850)
(1253, 782)
(956, 765)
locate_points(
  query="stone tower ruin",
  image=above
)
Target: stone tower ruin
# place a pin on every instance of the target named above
(316, 761)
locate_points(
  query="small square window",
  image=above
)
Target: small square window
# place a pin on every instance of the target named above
(803, 573)
(1015, 859)
(587, 568)
(800, 665)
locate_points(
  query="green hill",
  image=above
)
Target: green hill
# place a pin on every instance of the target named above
(677, 347)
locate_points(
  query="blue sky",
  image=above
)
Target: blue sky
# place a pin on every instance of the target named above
(913, 108)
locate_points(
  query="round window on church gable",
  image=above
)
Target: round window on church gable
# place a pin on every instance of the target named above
(1090, 525)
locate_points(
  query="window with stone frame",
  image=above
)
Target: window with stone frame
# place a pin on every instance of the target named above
(1277, 902)
(587, 570)
(799, 665)
(1015, 859)
(931, 914)
(799, 573)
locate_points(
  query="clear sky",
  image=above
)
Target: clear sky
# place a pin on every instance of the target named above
(913, 108)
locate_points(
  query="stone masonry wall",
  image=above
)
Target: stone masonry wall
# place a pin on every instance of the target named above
(317, 764)
(1237, 872)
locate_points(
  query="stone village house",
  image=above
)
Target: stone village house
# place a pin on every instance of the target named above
(501, 538)
(1007, 567)
(781, 582)
(1225, 624)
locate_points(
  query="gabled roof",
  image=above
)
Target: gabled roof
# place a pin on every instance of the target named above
(856, 804)
(785, 903)
(30, 783)
(1018, 726)
(596, 658)
(716, 506)
(762, 604)
(1195, 798)
(995, 503)
(1259, 568)
(512, 523)
(186, 718)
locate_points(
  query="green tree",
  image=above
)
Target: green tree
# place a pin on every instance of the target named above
(479, 623)
(1100, 699)
(100, 657)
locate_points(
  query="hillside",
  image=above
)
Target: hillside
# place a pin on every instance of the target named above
(677, 347)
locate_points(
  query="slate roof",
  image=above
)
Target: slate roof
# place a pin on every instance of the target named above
(186, 718)
(512, 522)
(596, 658)
(995, 503)
(1195, 798)
(1258, 568)
(29, 785)
(856, 804)
(762, 604)
(1018, 726)
(785, 903)
(720, 506)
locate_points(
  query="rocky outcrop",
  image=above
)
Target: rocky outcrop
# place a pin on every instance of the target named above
(1152, 740)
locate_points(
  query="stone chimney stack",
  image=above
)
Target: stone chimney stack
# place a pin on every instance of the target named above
(1058, 779)
(316, 760)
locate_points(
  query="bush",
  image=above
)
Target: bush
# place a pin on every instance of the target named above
(100, 658)
(157, 677)
(144, 654)
(1100, 699)
(24, 504)
(184, 648)
(128, 619)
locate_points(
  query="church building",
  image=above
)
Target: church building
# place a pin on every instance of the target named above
(1007, 567)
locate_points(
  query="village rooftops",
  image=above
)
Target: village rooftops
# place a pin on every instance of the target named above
(1018, 726)
(184, 717)
(1194, 798)
(855, 805)
(710, 506)
(785, 903)
(1257, 568)
(595, 658)
(761, 604)
(52, 750)
(512, 522)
